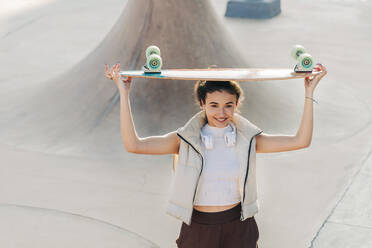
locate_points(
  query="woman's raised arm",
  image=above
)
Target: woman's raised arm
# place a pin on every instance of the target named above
(165, 144)
(266, 143)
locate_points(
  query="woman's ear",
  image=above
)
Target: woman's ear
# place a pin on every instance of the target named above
(202, 104)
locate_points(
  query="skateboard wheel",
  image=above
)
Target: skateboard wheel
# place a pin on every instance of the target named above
(297, 50)
(154, 62)
(152, 50)
(305, 62)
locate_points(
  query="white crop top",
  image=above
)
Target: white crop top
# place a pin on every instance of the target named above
(218, 183)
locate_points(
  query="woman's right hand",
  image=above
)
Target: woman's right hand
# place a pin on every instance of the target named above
(113, 74)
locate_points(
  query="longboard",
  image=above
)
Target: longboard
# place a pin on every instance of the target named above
(221, 74)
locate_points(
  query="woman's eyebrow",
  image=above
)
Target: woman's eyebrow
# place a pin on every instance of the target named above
(217, 102)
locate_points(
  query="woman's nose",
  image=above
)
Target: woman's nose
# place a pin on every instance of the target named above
(222, 112)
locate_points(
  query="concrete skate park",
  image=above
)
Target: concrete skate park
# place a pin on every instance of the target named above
(66, 179)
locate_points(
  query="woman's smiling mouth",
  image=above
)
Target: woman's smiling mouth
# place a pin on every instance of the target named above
(221, 120)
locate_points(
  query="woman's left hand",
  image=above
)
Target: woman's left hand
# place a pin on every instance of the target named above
(312, 82)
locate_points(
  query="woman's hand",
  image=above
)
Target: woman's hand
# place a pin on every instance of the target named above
(113, 74)
(312, 82)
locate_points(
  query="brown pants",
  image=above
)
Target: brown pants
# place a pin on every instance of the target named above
(219, 230)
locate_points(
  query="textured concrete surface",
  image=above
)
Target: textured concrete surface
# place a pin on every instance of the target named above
(317, 197)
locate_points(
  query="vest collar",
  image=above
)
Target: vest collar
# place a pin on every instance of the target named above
(191, 130)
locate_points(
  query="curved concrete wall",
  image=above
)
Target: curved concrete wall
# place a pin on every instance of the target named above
(77, 113)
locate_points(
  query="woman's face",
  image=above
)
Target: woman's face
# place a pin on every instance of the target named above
(219, 108)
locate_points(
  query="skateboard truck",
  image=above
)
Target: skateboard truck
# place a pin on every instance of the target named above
(297, 70)
(146, 70)
(304, 60)
(153, 60)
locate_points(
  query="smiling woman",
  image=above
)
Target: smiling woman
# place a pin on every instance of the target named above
(214, 189)
(222, 98)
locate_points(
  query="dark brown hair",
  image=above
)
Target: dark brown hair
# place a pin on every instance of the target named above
(201, 89)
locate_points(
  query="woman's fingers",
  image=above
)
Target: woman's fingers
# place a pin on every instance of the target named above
(113, 72)
(106, 69)
(322, 73)
(113, 69)
(108, 74)
(117, 70)
(322, 68)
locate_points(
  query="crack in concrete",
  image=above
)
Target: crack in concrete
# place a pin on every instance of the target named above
(363, 162)
(351, 225)
(21, 27)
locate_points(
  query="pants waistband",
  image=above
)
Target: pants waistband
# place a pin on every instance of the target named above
(216, 217)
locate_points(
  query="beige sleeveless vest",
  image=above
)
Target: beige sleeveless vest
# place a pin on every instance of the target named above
(190, 163)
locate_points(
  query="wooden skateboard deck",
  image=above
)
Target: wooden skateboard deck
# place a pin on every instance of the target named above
(221, 74)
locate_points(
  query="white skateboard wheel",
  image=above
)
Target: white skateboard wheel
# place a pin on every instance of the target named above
(305, 62)
(297, 50)
(154, 62)
(152, 50)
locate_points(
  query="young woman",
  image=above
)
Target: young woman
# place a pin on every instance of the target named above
(214, 187)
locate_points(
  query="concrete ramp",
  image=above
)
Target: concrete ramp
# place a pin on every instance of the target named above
(62, 158)
(77, 113)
